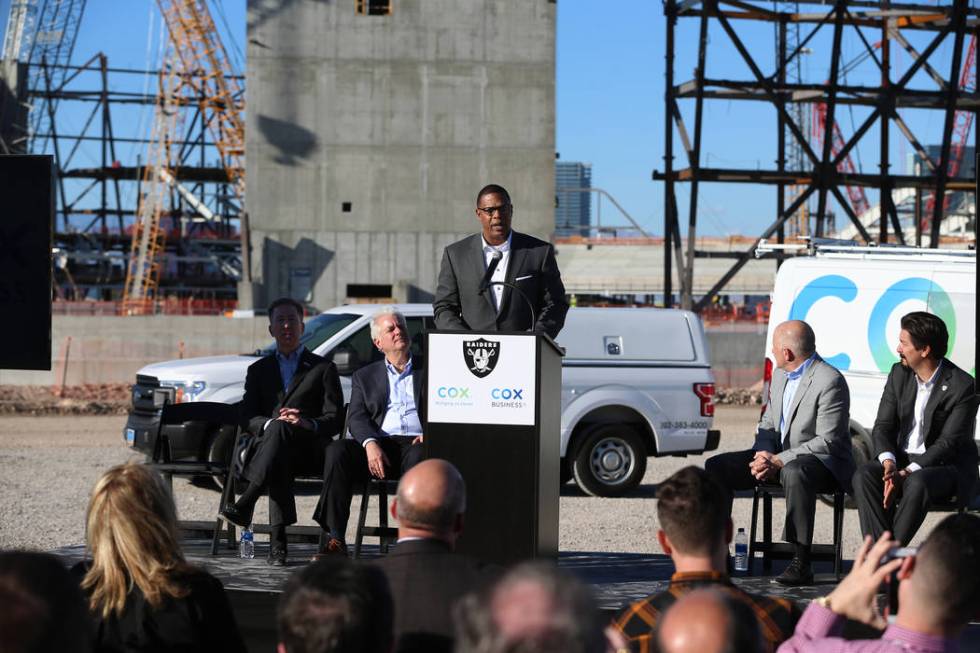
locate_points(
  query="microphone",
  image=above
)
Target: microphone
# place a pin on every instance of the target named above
(494, 261)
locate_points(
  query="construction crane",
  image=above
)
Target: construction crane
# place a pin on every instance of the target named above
(962, 123)
(196, 72)
(859, 201)
(41, 34)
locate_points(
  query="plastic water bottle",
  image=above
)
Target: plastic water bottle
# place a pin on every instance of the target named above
(246, 545)
(741, 551)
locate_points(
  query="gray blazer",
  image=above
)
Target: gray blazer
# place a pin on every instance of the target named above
(532, 267)
(817, 422)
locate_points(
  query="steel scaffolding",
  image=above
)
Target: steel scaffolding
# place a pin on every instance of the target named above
(824, 176)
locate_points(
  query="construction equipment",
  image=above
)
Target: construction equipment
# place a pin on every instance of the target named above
(40, 34)
(197, 73)
(962, 123)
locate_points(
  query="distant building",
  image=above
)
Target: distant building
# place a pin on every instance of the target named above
(573, 210)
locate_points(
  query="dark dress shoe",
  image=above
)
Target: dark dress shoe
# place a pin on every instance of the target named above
(236, 515)
(333, 547)
(277, 556)
(796, 574)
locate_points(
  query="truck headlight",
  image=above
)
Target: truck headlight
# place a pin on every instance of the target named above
(186, 390)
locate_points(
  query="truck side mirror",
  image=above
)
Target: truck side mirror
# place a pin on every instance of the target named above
(346, 361)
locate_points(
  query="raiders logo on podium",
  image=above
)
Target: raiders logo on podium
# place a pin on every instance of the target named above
(481, 356)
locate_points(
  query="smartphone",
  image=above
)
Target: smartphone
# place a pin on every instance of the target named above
(893, 553)
(899, 552)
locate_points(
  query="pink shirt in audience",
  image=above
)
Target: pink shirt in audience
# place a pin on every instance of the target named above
(818, 631)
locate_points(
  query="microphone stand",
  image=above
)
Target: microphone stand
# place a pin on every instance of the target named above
(530, 306)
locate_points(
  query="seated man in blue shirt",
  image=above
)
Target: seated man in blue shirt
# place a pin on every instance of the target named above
(384, 422)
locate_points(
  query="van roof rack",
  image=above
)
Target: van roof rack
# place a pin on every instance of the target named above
(854, 249)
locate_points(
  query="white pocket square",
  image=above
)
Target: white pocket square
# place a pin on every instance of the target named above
(526, 276)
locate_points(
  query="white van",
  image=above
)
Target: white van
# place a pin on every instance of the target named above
(854, 298)
(635, 383)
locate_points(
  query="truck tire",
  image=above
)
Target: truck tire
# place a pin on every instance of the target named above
(610, 460)
(217, 450)
(565, 473)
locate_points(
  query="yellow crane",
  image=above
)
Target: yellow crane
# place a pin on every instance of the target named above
(196, 72)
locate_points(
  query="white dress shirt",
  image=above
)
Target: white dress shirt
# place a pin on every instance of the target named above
(915, 442)
(500, 273)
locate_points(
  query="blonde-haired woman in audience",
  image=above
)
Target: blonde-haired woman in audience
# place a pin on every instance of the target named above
(142, 595)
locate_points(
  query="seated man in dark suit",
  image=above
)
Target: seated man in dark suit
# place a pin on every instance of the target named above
(384, 421)
(291, 406)
(923, 435)
(425, 575)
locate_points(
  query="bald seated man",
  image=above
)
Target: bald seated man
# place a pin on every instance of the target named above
(802, 441)
(707, 621)
(426, 575)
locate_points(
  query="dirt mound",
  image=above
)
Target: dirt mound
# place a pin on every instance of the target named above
(94, 399)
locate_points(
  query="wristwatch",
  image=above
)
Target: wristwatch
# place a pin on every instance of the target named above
(824, 602)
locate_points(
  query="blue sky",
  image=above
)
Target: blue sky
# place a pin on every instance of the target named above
(610, 88)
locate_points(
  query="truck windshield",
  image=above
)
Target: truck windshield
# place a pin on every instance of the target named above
(317, 331)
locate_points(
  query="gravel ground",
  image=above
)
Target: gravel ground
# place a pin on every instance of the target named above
(49, 465)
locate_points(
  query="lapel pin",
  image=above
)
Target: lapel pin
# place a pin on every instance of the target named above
(944, 388)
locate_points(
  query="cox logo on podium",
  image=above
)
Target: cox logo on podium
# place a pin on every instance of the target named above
(481, 378)
(481, 356)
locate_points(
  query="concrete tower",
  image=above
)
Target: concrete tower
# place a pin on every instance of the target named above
(372, 124)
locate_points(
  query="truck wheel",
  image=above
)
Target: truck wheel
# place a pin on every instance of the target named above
(217, 450)
(565, 473)
(610, 461)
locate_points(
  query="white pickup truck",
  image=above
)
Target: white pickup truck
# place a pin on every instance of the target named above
(635, 383)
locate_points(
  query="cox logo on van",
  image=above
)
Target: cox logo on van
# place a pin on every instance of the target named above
(507, 393)
(452, 392)
(930, 293)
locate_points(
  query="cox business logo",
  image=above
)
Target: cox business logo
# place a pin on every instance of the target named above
(912, 288)
(451, 392)
(507, 398)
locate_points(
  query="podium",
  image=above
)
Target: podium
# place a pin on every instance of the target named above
(493, 409)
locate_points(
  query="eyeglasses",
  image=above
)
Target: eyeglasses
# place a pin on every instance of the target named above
(490, 211)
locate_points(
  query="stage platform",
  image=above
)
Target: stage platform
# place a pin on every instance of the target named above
(616, 579)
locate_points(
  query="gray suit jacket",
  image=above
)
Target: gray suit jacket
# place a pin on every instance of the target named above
(817, 422)
(532, 268)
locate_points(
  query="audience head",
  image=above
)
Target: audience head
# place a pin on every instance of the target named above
(924, 334)
(336, 605)
(534, 608)
(431, 501)
(792, 343)
(131, 530)
(940, 583)
(693, 512)
(286, 323)
(43, 608)
(708, 621)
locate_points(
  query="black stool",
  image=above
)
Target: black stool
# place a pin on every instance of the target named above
(784, 550)
(385, 534)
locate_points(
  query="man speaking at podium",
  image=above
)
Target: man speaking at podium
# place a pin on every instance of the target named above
(469, 295)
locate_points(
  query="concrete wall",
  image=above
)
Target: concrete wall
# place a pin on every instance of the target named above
(111, 349)
(738, 353)
(404, 117)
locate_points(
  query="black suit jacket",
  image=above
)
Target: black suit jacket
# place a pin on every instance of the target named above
(532, 268)
(948, 421)
(369, 398)
(314, 390)
(426, 579)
